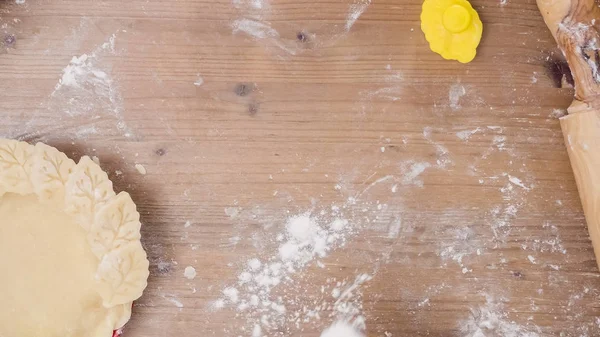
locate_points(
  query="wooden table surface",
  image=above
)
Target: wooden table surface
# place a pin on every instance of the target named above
(462, 207)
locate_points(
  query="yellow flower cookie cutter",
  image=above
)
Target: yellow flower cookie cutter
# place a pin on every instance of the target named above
(452, 28)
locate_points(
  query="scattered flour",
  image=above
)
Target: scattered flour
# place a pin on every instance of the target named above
(466, 134)
(513, 200)
(558, 113)
(534, 78)
(85, 88)
(247, 5)
(304, 240)
(491, 320)
(517, 182)
(232, 212)
(256, 331)
(262, 30)
(86, 131)
(342, 329)
(174, 300)
(356, 10)
(457, 91)
(83, 72)
(443, 154)
(256, 29)
(199, 81)
(463, 243)
(412, 170)
(552, 244)
(87, 93)
(394, 229)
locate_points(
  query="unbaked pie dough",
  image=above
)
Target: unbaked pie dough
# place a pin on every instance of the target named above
(71, 262)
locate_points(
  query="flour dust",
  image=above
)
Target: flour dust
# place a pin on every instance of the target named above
(491, 319)
(356, 10)
(342, 329)
(85, 101)
(268, 292)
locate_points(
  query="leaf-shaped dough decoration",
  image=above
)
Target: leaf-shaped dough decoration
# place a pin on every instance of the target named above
(123, 274)
(87, 188)
(50, 172)
(120, 315)
(15, 166)
(116, 223)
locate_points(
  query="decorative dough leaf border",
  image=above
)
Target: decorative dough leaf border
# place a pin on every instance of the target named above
(111, 221)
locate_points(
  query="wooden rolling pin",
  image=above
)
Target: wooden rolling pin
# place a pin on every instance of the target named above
(575, 26)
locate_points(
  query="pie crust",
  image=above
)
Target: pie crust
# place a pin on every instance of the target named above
(71, 261)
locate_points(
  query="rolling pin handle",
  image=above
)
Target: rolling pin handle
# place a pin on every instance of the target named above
(574, 25)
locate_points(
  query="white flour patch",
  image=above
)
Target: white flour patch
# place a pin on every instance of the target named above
(84, 132)
(394, 229)
(199, 81)
(251, 5)
(466, 134)
(256, 331)
(83, 69)
(342, 329)
(256, 29)
(257, 4)
(174, 300)
(87, 93)
(499, 142)
(232, 212)
(517, 182)
(19, 2)
(412, 170)
(492, 320)
(189, 273)
(260, 30)
(558, 113)
(457, 91)
(85, 88)
(356, 10)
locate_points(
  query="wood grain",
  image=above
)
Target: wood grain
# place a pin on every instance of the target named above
(295, 122)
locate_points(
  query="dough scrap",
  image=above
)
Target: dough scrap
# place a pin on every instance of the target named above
(70, 250)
